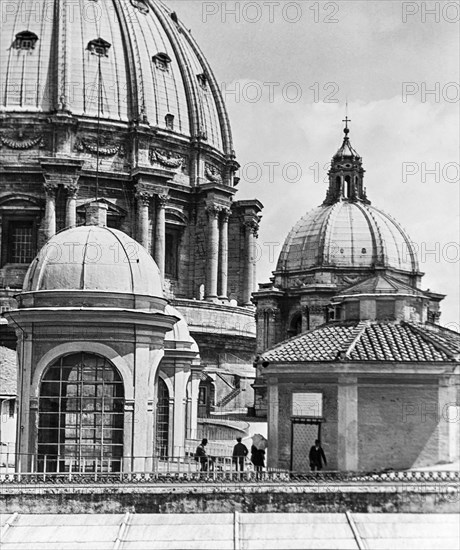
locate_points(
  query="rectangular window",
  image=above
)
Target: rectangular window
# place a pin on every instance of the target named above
(352, 309)
(12, 407)
(21, 245)
(385, 309)
(171, 256)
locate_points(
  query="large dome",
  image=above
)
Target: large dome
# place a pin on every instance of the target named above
(96, 259)
(347, 235)
(151, 68)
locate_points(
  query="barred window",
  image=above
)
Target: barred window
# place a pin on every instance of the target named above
(162, 420)
(81, 413)
(21, 247)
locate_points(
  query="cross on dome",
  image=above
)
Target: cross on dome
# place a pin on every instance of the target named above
(346, 129)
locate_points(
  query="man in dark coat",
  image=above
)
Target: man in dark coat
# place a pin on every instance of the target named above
(317, 457)
(201, 455)
(240, 452)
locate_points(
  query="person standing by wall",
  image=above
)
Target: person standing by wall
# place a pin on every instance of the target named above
(240, 452)
(201, 455)
(257, 458)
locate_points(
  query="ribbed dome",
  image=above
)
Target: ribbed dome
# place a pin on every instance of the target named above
(94, 258)
(151, 67)
(347, 235)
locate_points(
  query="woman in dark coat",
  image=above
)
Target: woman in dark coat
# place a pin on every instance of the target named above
(257, 458)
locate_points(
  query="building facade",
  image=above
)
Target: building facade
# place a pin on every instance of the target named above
(115, 101)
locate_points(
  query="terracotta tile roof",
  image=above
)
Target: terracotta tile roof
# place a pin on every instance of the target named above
(8, 372)
(370, 341)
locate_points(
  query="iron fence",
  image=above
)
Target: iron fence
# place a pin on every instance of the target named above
(185, 469)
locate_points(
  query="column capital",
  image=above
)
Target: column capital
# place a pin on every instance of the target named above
(143, 195)
(72, 190)
(226, 211)
(252, 226)
(163, 199)
(347, 380)
(213, 210)
(50, 189)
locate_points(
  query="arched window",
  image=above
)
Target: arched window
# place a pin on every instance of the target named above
(162, 420)
(347, 187)
(295, 326)
(81, 415)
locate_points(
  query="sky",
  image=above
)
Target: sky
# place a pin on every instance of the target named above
(288, 69)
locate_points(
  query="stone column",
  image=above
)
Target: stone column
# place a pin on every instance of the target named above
(71, 207)
(195, 390)
(448, 420)
(143, 203)
(272, 320)
(180, 381)
(50, 211)
(251, 228)
(160, 232)
(272, 416)
(212, 252)
(347, 426)
(128, 431)
(146, 364)
(224, 253)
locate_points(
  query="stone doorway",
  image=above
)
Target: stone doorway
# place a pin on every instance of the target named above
(304, 431)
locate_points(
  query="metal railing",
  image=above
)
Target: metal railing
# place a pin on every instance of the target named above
(185, 469)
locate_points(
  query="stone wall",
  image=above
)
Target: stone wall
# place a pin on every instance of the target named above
(414, 498)
(398, 426)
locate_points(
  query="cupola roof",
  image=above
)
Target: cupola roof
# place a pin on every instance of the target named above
(346, 231)
(94, 258)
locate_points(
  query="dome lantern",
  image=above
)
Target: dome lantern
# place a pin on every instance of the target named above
(346, 173)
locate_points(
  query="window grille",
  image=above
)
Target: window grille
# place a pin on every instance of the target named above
(81, 413)
(162, 427)
(21, 242)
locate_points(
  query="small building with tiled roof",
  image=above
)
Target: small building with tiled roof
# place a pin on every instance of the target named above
(378, 394)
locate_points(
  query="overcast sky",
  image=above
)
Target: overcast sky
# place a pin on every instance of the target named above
(287, 69)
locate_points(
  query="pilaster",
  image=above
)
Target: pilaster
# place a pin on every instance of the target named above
(347, 408)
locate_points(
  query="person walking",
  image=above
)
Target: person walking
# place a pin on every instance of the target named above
(201, 455)
(240, 452)
(317, 457)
